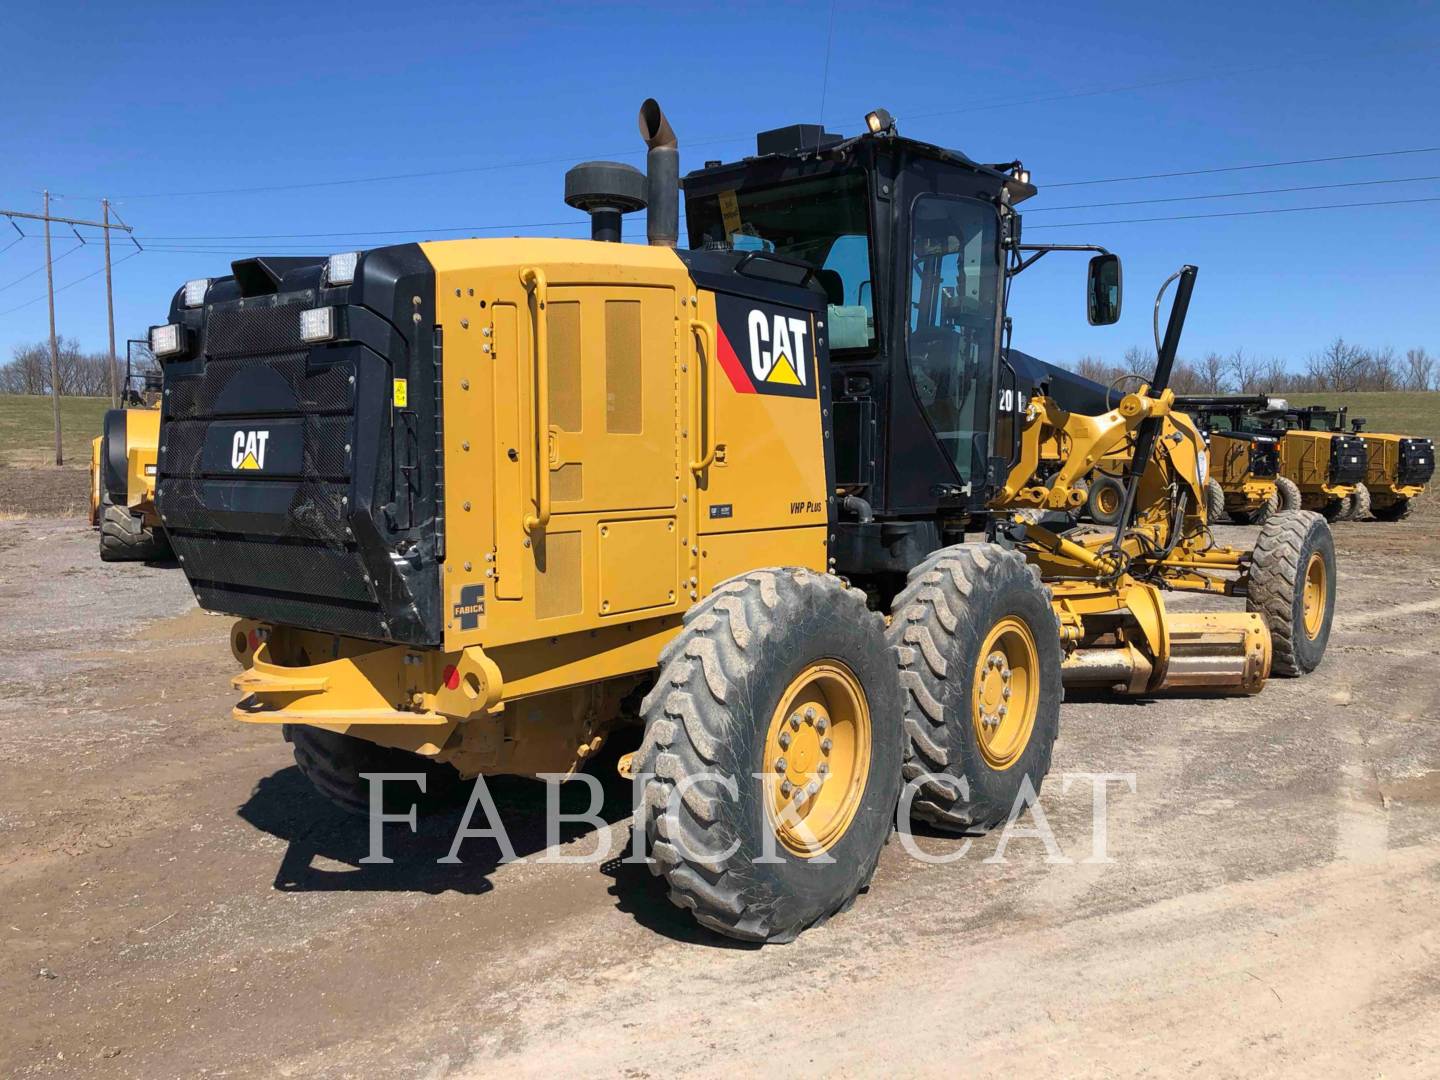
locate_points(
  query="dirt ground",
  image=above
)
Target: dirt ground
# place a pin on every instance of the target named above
(175, 901)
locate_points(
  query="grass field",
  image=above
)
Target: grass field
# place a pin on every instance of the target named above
(1396, 412)
(27, 431)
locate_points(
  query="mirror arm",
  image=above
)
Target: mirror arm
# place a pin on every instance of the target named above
(1041, 250)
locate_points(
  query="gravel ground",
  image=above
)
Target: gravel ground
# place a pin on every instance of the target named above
(176, 901)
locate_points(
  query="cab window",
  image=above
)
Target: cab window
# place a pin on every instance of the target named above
(954, 293)
(824, 222)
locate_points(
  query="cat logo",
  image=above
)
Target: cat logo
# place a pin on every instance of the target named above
(774, 355)
(247, 450)
(777, 348)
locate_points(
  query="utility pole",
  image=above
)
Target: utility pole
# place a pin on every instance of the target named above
(110, 306)
(105, 226)
(54, 349)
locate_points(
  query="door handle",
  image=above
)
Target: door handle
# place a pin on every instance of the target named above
(704, 395)
(533, 278)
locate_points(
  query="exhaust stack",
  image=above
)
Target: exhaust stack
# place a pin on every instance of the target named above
(662, 176)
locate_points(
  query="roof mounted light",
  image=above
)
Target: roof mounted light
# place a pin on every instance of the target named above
(317, 324)
(879, 121)
(1022, 175)
(340, 269)
(195, 291)
(167, 340)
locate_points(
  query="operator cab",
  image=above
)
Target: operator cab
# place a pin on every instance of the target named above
(912, 245)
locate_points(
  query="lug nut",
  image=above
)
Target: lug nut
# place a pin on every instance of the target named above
(786, 788)
(784, 740)
(795, 721)
(821, 725)
(824, 769)
(1003, 710)
(1005, 693)
(781, 765)
(811, 788)
(825, 746)
(809, 715)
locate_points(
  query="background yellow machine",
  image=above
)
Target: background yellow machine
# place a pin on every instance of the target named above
(1398, 466)
(1324, 467)
(487, 501)
(123, 465)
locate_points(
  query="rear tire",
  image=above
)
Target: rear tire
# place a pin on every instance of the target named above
(1335, 509)
(1289, 493)
(968, 762)
(1360, 510)
(1214, 501)
(1292, 584)
(124, 537)
(729, 725)
(333, 763)
(1398, 510)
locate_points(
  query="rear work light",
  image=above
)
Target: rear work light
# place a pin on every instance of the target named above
(317, 324)
(168, 340)
(340, 269)
(195, 291)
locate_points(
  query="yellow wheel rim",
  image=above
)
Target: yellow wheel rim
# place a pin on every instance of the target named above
(1007, 692)
(1314, 596)
(1107, 500)
(817, 758)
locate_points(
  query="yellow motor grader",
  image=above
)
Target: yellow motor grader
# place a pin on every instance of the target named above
(480, 503)
(1398, 466)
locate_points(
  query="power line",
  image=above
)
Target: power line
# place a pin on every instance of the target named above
(720, 139)
(1238, 213)
(67, 285)
(1243, 168)
(1235, 194)
(38, 269)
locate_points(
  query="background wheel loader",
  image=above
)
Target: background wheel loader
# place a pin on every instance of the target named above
(123, 463)
(486, 501)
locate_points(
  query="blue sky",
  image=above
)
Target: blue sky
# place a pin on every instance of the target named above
(141, 100)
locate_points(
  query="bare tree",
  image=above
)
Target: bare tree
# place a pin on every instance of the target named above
(28, 371)
(1419, 373)
(1339, 367)
(1246, 371)
(1212, 374)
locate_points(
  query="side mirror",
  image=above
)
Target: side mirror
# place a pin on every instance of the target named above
(1357, 424)
(1103, 290)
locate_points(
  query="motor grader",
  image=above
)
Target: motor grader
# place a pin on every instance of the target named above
(1397, 466)
(1245, 482)
(481, 503)
(123, 467)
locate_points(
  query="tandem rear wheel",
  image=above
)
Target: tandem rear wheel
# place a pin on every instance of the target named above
(978, 643)
(771, 754)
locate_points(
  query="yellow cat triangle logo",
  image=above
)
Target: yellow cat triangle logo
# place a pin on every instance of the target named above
(249, 462)
(784, 372)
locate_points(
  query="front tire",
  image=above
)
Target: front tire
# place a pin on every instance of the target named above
(1292, 584)
(1258, 516)
(1289, 493)
(124, 536)
(334, 764)
(1398, 510)
(772, 737)
(979, 649)
(1360, 509)
(1214, 501)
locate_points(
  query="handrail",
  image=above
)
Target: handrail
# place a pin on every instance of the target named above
(704, 387)
(533, 276)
